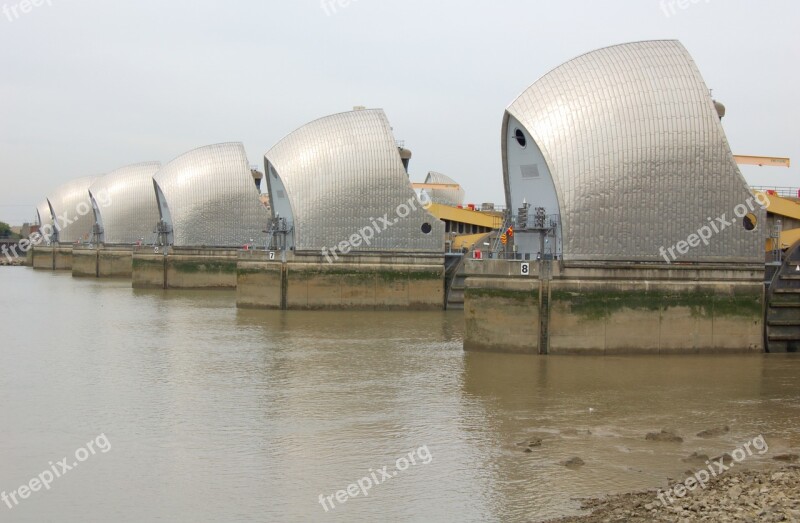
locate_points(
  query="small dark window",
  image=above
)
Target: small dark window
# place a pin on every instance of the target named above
(520, 136)
(750, 221)
(426, 228)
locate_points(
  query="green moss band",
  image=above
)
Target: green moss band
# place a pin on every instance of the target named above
(521, 296)
(596, 305)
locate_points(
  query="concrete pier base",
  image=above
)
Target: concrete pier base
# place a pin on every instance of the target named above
(115, 262)
(43, 258)
(363, 282)
(184, 268)
(632, 308)
(52, 257)
(102, 262)
(62, 258)
(84, 262)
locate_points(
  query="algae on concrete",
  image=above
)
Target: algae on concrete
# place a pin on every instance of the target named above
(596, 305)
(507, 294)
(188, 267)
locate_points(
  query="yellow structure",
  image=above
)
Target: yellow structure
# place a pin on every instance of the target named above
(788, 210)
(785, 208)
(467, 241)
(763, 161)
(465, 227)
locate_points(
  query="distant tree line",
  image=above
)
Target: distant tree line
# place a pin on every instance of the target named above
(6, 233)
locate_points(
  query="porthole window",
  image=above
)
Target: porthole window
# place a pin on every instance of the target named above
(520, 136)
(750, 221)
(426, 228)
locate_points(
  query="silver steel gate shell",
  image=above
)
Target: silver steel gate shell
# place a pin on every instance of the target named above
(125, 204)
(72, 210)
(341, 174)
(210, 199)
(637, 155)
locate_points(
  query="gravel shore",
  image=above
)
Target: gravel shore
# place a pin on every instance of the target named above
(741, 496)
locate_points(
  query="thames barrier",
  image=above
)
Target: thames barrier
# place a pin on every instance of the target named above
(627, 225)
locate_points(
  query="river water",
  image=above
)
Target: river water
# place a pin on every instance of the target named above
(198, 411)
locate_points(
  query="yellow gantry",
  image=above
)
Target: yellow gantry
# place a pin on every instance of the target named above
(489, 220)
(763, 161)
(468, 226)
(785, 207)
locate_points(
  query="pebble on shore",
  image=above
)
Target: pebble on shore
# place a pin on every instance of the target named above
(744, 495)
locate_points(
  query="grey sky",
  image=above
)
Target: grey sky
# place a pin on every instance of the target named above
(89, 86)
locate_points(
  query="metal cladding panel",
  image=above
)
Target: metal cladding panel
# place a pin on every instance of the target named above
(444, 196)
(637, 154)
(211, 198)
(126, 203)
(342, 174)
(72, 210)
(44, 215)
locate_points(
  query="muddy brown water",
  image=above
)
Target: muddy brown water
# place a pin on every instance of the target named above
(219, 414)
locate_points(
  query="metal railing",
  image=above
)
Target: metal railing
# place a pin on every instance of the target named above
(792, 192)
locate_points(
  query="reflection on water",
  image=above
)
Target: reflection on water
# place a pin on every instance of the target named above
(219, 414)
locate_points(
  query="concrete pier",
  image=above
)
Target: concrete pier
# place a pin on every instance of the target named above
(52, 258)
(102, 262)
(613, 309)
(63, 258)
(42, 258)
(358, 282)
(84, 262)
(184, 268)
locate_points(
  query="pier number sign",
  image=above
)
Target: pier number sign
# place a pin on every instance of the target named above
(271, 255)
(525, 269)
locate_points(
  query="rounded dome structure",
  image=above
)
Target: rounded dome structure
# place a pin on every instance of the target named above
(454, 196)
(625, 146)
(125, 205)
(207, 198)
(71, 210)
(341, 174)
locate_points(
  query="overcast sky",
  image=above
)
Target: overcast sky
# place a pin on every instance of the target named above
(87, 86)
